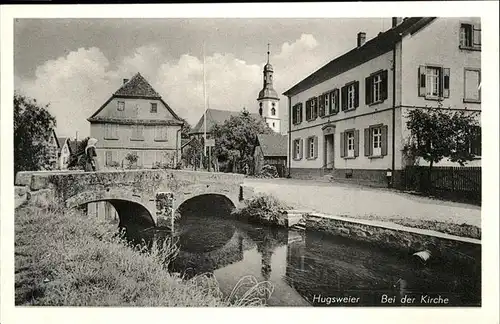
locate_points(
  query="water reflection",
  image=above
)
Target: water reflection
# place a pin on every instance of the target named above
(305, 268)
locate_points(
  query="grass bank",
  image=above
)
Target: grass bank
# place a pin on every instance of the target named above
(67, 259)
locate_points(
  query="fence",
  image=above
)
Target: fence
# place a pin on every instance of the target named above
(463, 183)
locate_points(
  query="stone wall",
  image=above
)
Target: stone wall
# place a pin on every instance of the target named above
(457, 250)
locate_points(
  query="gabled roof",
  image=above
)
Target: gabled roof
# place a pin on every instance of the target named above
(272, 144)
(377, 46)
(216, 117)
(61, 141)
(137, 87)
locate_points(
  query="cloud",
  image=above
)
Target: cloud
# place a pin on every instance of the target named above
(77, 84)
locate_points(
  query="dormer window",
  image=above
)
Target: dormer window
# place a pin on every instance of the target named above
(120, 106)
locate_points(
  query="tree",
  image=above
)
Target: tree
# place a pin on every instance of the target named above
(33, 125)
(186, 129)
(192, 153)
(235, 140)
(436, 133)
(78, 158)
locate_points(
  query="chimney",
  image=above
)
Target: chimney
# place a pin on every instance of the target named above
(396, 21)
(361, 38)
(125, 81)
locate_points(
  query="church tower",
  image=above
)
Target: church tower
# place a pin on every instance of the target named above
(268, 99)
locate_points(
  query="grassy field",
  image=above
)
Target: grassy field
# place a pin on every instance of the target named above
(67, 259)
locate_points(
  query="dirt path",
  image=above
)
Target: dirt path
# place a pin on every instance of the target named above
(361, 202)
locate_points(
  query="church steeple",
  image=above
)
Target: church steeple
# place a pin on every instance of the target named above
(268, 97)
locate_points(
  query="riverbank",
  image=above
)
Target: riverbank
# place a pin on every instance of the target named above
(63, 258)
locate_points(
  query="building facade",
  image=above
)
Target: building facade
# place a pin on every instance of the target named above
(270, 149)
(348, 119)
(136, 120)
(64, 152)
(268, 99)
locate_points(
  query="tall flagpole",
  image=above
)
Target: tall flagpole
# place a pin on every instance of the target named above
(204, 105)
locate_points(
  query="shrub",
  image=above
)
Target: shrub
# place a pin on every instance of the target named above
(262, 209)
(268, 171)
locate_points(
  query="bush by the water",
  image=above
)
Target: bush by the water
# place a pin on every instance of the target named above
(263, 209)
(63, 258)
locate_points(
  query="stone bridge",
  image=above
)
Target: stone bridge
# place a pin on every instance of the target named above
(143, 196)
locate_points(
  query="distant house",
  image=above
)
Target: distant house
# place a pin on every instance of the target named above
(135, 119)
(64, 151)
(271, 149)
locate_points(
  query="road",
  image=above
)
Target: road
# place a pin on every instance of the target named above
(364, 202)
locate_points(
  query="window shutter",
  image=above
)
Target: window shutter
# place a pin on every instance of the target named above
(301, 148)
(367, 142)
(384, 86)
(342, 144)
(384, 140)
(446, 82)
(476, 35)
(294, 114)
(421, 81)
(356, 142)
(368, 90)
(315, 108)
(316, 147)
(356, 94)
(344, 98)
(300, 113)
(322, 105)
(337, 100)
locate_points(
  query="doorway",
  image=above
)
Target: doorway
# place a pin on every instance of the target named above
(328, 152)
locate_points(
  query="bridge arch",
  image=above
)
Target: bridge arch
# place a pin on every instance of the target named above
(132, 209)
(181, 201)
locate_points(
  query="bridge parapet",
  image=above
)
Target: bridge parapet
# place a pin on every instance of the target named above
(141, 186)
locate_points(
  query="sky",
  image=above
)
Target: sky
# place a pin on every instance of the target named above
(75, 65)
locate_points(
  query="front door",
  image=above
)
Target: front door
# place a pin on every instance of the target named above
(328, 152)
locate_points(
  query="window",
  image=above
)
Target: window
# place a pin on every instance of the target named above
(297, 149)
(120, 106)
(376, 88)
(109, 158)
(350, 96)
(273, 111)
(154, 108)
(472, 80)
(312, 144)
(434, 82)
(260, 108)
(375, 141)
(161, 133)
(312, 109)
(297, 114)
(470, 36)
(111, 131)
(137, 133)
(329, 103)
(273, 124)
(349, 143)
